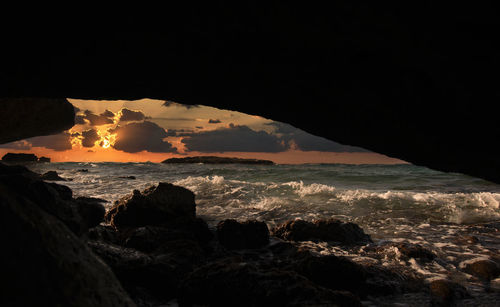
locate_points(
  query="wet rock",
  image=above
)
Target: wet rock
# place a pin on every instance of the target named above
(337, 273)
(52, 176)
(389, 280)
(83, 170)
(232, 282)
(103, 233)
(155, 205)
(150, 238)
(127, 177)
(43, 262)
(321, 230)
(446, 293)
(415, 251)
(91, 210)
(466, 240)
(158, 273)
(484, 269)
(241, 235)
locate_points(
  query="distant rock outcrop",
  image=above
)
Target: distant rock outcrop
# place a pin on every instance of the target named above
(23, 158)
(52, 176)
(216, 160)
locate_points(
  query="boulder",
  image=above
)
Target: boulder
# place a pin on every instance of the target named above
(91, 210)
(333, 272)
(322, 230)
(484, 269)
(151, 238)
(44, 160)
(154, 206)
(446, 293)
(52, 176)
(43, 262)
(249, 234)
(233, 282)
(415, 251)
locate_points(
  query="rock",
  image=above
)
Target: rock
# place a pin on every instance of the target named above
(415, 251)
(321, 230)
(52, 176)
(249, 234)
(446, 293)
(484, 269)
(43, 262)
(44, 160)
(150, 238)
(159, 273)
(127, 177)
(103, 233)
(19, 157)
(91, 210)
(232, 282)
(83, 170)
(27, 117)
(333, 272)
(216, 160)
(155, 205)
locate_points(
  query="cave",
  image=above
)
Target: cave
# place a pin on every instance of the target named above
(415, 83)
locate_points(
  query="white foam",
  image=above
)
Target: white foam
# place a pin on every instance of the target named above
(309, 189)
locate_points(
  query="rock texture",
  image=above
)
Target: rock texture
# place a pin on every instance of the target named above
(43, 261)
(249, 234)
(155, 205)
(22, 118)
(322, 230)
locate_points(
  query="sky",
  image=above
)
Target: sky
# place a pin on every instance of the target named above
(154, 130)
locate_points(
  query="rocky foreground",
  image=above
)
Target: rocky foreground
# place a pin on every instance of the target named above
(150, 249)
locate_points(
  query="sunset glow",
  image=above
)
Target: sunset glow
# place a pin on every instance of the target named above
(154, 130)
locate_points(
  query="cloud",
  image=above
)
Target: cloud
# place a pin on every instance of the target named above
(131, 115)
(136, 137)
(299, 139)
(233, 138)
(169, 103)
(80, 120)
(214, 121)
(89, 138)
(57, 142)
(98, 120)
(19, 145)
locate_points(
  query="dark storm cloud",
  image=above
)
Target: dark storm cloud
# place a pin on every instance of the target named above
(168, 103)
(108, 114)
(80, 120)
(302, 140)
(136, 137)
(98, 120)
(131, 115)
(57, 142)
(19, 145)
(234, 138)
(89, 138)
(214, 121)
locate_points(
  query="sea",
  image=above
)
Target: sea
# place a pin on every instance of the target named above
(392, 203)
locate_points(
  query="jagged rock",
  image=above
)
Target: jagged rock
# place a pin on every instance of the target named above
(415, 251)
(43, 262)
(159, 273)
(52, 176)
(232, 282)
(249, 234)
(155, 205)
(103, 233)
(321, 230)
(446, 293)
(149, 238)
(91, 210)
(484, 269)
(337, 273)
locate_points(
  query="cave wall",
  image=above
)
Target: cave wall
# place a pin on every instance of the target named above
(412, 82)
